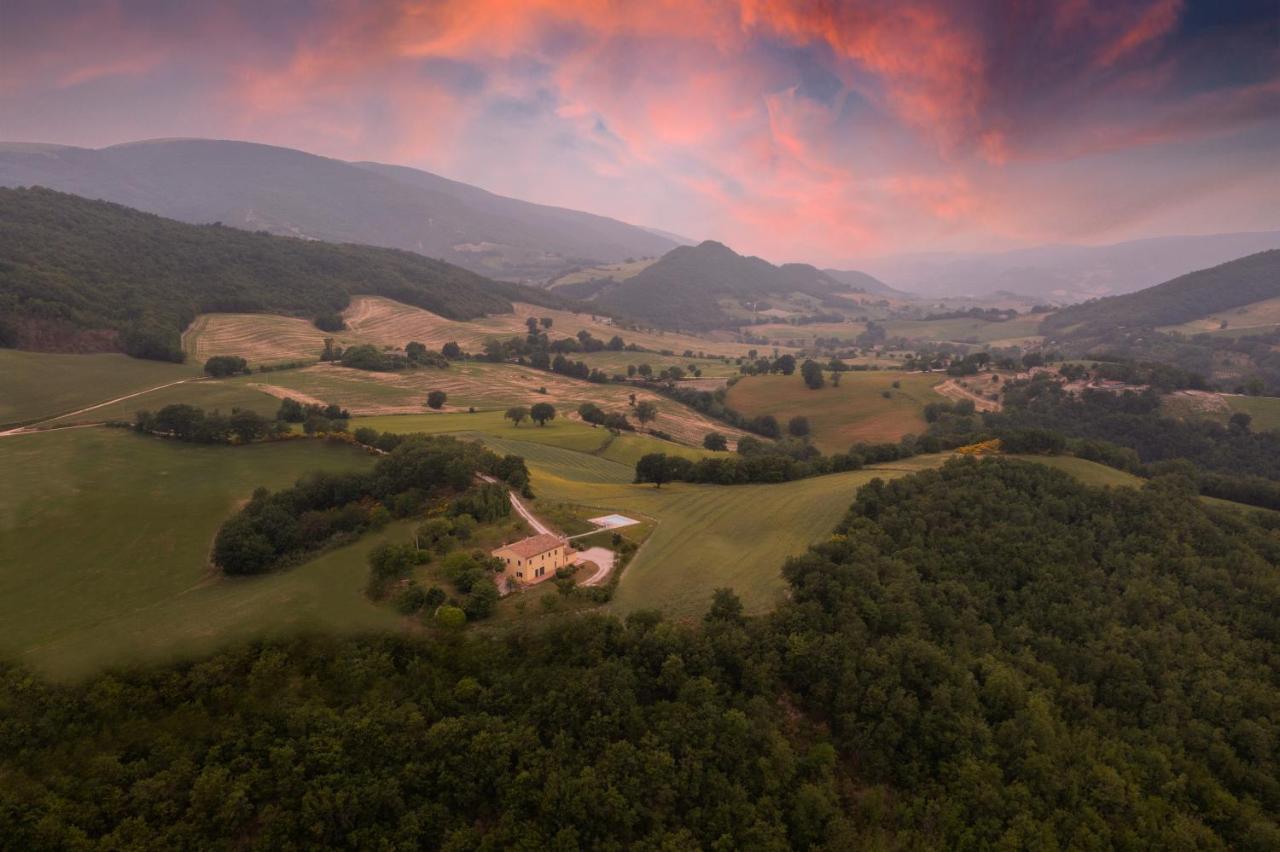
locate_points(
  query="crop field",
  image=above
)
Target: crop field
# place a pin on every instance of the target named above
(857, 410)
(38, 385)
(104, 541)
(258, 338)
(615, 363)
(480, 385)
(1254, 318)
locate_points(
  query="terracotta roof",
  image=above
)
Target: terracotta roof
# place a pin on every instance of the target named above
(527, 548)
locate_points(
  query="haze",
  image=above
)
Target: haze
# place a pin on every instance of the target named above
(828, 133)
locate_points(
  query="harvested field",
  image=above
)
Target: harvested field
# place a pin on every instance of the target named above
(865, 407)
(258, 338)
(976, 389)
(487, 387)
(377, 320)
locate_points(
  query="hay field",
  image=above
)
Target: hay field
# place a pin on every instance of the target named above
(258, 338)
(484, 386)
(382, 321)
(857, 410)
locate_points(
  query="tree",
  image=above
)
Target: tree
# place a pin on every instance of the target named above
(436, 399)
(248, 425)
(646, 411)
(517, 414)
(811, 372)
(655, 468)
(532, 324)
(615, 344)
(546, 322)
(451, 350)
(726, 608)
(786, 365)
(542, 412)
(221, 366)
(798, 426)
(415, 351)
(330, 321)
(715, 441)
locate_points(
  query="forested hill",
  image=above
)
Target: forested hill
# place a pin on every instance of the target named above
(987, 656)
(1188, 297)
(683, 288)
(289, 192)
(76, 273)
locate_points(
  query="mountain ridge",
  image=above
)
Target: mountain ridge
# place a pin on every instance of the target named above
(295, 193)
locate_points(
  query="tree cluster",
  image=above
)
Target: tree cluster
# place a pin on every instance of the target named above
(274, 528)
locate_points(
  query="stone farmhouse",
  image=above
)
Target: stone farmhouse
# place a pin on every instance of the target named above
(534, 559)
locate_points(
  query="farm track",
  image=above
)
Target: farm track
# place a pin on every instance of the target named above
(35, 427)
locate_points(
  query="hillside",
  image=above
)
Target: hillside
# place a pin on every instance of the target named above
(683, 289)
(1064, 274)
(80, 275)
(1188, 297)
(283, 191)
(869, 284)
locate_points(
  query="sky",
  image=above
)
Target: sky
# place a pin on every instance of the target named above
(807, 130)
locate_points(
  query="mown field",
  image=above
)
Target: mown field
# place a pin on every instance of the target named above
(480, 385)
(39, 385)
(1265, 410)
(104, 541)
(1018, 330)
(617, 271)
(857, 410)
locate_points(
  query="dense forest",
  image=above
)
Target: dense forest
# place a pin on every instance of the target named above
(1134, 420)
(74, 270)
(986, 655)
(1191, 296)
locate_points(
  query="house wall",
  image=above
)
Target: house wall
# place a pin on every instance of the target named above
(539, 568)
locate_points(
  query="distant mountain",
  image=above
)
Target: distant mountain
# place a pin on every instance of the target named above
(283, 191)
(1188, 297)
(1066, 274)
(684, 288)
(80, 275)
(869, 284)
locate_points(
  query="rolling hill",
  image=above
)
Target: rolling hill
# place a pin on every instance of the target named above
(868, 284)
(80, 275)
(1064, 274)
(289, 192)
(683, 289)
(1188, 297)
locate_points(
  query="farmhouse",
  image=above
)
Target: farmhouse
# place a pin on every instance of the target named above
(534, 559)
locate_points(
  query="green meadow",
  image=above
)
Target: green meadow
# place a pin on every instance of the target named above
(36, 386)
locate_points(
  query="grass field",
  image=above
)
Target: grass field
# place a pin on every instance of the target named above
(617, 271)
(1018, 330)
(223, 395)
(1265, 410)
(840, 416)
(38, 385)
(104, 541)
(710, 536)
(1248, 319)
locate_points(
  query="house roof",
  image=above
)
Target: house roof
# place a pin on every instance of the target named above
(527, 548)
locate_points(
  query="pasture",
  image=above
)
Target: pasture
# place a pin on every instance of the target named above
(857, 410)
(1020, 330)
(37, 386)
(104, 542)
(617, 271)
(1265, 410)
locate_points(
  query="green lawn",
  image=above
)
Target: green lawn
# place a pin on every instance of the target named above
(38, 385)
(104, 541)
(857, 410)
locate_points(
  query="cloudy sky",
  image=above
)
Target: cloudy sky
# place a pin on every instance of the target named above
(810, 130)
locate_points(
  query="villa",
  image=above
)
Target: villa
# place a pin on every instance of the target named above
(534, 559)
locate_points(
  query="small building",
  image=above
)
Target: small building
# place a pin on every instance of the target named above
(534, 559)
